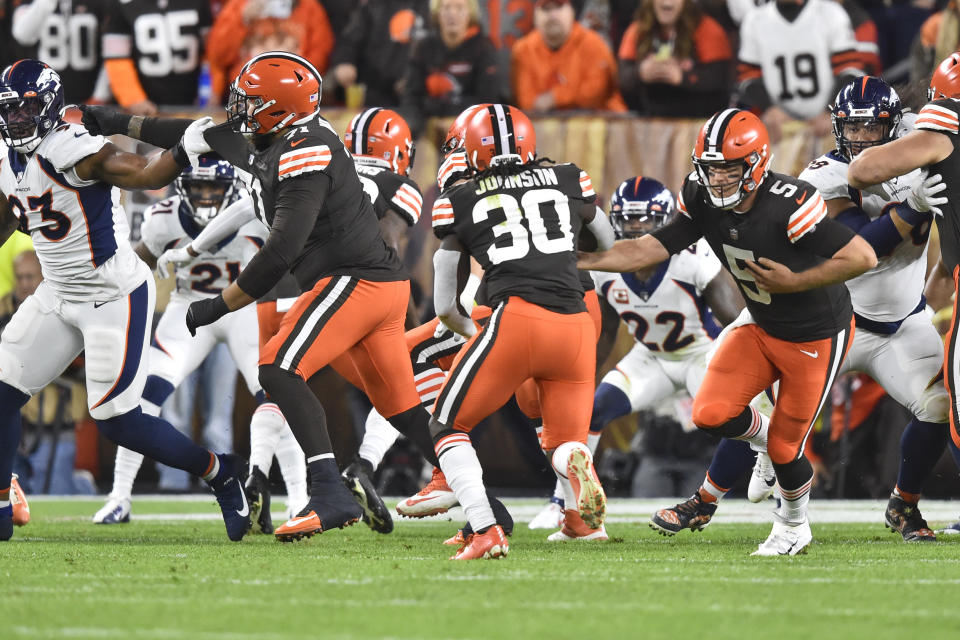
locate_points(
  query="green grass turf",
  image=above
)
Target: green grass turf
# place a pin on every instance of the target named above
(62, 577)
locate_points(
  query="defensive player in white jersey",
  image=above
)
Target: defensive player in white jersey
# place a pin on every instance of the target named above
(202, 192)
(669, 309)
(794, 55)
(58, 183)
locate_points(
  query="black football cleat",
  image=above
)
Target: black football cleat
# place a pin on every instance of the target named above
(356, 478)
(905, 519)
(228, 489)
(6, 523)
(257, 489)
(693, 514)
(336, 509)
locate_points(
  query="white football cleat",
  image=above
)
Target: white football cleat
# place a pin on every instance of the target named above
(786, 540)
(574, 528)
(550, 517)
(435, 498)
(763, 480)
(116, 511)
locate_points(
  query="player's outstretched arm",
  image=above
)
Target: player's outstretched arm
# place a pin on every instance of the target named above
(881, 163)
(724, 298)
(129, 170)
(107, 121)
(625, 255)
(851, 260)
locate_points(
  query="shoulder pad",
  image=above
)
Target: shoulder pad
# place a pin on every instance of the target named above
(68, 144)
(829, 176)
(303, 154)
(940, 116)
(805, 217)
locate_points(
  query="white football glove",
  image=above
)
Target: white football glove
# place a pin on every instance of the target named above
(168, 262)
(193, 141)
(923, 197)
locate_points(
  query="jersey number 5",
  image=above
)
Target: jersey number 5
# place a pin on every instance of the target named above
(748, 284)
(512, 239)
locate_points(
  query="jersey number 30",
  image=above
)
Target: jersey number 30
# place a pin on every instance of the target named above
(512, 239)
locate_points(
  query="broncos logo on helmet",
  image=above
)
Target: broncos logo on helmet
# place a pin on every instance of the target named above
(638, 206)
(31, 104)
(207, 188)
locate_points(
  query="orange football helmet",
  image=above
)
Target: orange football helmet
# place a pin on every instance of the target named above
(273, 90)
(945, 82)
(382, 135)
(457, 130)
(499, 133)
(732, 138)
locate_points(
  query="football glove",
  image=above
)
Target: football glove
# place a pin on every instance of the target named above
(192, 145)
(923, 197)
(104, 121)
(170, 259)
(204, 312)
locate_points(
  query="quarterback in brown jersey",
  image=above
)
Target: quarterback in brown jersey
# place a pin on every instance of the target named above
(789, 259)
(519, 219)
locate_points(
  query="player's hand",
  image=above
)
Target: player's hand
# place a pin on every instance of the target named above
(193, 141)
(923, 197)
(773, 277)
(103, 121)
(204, 312)
(170, 259)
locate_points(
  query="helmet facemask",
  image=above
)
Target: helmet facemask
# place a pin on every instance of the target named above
(732, 181)
(636, 219)
(23, 122)
(242, 111)
(206, 191)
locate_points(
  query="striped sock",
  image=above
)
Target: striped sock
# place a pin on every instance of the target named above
(756, 433)
(213, 469)
(795, 479)
(710, 491)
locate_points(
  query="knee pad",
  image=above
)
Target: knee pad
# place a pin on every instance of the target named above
(103, 359)
(710, 415)
(933, 405)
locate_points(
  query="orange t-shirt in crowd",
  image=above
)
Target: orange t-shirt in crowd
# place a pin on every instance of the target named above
(710, 42)
(582, 74)
(232, 42)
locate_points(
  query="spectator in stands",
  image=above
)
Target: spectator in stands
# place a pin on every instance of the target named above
(675, 61)
(867, 36)
(938, 38)
(794, 56)
(154, 51)
(506, 21)
(246, 28)
(374, 49)
(16, 244)
(563, 65)
(66, 35)
(452, 67)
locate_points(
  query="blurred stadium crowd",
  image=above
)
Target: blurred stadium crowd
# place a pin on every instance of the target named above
(429, 59)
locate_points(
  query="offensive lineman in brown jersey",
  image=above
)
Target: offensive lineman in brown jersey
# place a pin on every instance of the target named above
(789, 259)
(519, 219)
(931, 145)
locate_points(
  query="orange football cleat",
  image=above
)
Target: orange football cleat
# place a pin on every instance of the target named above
(21, 510)
(591, 501)
(574, 528)
(457, 539)
(308, 522)
(490, 544)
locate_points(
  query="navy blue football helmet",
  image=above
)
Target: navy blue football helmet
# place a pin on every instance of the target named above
(207, 189)
(31, 104)
(867, 108)
(640, 205)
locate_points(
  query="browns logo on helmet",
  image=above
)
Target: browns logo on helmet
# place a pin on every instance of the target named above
(382, 135)
(732, 139)
(499, 133)
(272, 91)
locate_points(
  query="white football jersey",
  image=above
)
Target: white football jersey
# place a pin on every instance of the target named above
(798, 60)
(892, 290)
(78, 227)
(167, 225)
(667, 313)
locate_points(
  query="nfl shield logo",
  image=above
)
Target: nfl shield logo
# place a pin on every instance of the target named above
(734, 234)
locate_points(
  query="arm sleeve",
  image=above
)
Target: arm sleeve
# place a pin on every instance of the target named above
(163, 132)
(299, 201)
(826, 238)
(679, 234)
(28, 20)
(233, 217)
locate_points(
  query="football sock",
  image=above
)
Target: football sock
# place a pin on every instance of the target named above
(301, 408)
(750, 425)
(378, 436)
(5, 497)
(11, 399)
(155, 393)
(921, 446)
(156, 439)
(293, 467)
(323, 474)
(267, 426)
(609, 402)
(731, 460)
(593, 439)
(460, 465)
(795, 479)
(414, 423)
(125, 469)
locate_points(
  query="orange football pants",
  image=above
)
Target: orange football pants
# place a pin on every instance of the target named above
(522, 340)
(359, 319)
(748, 361)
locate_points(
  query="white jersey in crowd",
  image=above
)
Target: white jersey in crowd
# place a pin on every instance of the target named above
(799, 59)
(893, 289)
(667, 313)
(167, 225)
(78, 227)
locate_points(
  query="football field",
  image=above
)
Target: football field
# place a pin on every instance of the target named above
(171, 573)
